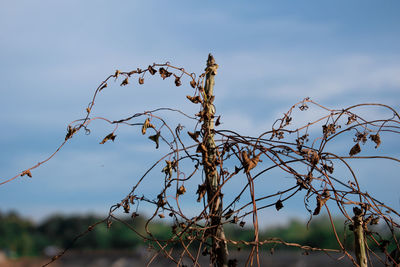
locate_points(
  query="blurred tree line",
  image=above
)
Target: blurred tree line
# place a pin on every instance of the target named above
(21, 237)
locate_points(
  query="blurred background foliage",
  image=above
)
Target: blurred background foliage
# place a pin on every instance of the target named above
(20, 236)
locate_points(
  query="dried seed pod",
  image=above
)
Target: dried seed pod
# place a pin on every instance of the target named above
(117, 73)
(161, 216)
(141, 80)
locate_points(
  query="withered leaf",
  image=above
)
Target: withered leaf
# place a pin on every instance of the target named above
(194, 135)
(288, 120)
(161, 216)
(146, 125)
(374, 221)
(278, 205)
(311, 156)
(242, 223)
(181, 190)
(131, 72)
(168, 168)
(355, 150)
(328, 168)
(27, 172)
(351, 119)
(228, 214)
(303, 184)
(194, 99)
(161, 201)
(303, 107)
(164, 73)
(103, 86)
(117, 72)
(201, 191)
(70, 132)
(151, 70)
(321, 200)
(249, 163)
(126, 207)
(361, 137)
(155, 138)
(88, 110)
(237, 169)
(235, 219)
(124, 82)
(329, 129)
(178, 81)
(217, 122)
(110, 136)
(193, 83)
(201, 148)
(376, 139)
(141, 80)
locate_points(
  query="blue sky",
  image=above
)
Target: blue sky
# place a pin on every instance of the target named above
(272, 54)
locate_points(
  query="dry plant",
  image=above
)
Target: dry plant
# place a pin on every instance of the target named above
(212, 158)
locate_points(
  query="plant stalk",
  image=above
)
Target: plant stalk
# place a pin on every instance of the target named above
(219, 253)
(359, 238)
